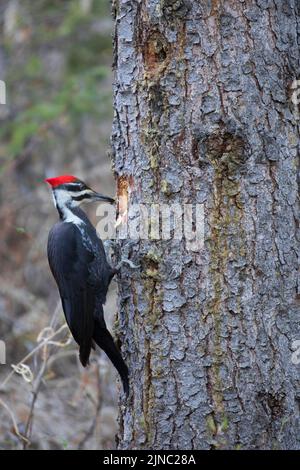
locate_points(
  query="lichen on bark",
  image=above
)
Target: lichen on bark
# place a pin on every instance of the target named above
(203, 115)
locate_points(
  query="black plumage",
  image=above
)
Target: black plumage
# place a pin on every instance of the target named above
(78, 262)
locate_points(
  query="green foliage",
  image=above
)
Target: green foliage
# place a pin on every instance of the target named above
(20, 136)
(80, 94)
(84, 54)
(46, 101)
(73, 18)
(33, 68)
(21, 230)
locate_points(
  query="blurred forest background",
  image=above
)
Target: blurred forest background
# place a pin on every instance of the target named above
(55, 58)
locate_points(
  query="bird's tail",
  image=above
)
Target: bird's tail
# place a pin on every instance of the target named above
(105, 341)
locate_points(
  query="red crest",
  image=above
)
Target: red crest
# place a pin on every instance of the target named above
(58, 180)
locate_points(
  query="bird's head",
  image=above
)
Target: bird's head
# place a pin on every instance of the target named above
(70, 191)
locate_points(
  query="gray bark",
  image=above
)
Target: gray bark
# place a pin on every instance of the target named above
(203, 114)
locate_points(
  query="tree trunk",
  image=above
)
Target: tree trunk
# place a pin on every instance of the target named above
(204, 115)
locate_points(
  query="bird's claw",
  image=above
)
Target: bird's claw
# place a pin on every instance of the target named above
(108, 244)
(124, 259)
(128, 262)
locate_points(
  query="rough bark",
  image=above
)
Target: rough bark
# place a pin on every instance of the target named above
(203, 114)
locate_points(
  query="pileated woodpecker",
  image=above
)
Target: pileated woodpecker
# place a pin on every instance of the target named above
(79, 265)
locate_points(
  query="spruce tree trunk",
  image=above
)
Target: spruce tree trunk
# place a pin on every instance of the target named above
(203, 114)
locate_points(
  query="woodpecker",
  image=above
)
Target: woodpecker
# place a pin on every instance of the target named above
(80, 268)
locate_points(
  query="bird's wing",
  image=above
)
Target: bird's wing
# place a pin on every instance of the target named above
(69, 261)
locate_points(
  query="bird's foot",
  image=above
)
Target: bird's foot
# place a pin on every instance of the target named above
(128, 262)
(125, 256)
(112, 244)
(108, 245)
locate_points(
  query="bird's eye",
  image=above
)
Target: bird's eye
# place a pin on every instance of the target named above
(76, 186)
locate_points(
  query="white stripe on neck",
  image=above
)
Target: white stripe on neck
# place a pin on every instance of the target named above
(70, 217)
(61, 200)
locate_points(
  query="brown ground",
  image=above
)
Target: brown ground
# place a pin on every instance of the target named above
(48, 55)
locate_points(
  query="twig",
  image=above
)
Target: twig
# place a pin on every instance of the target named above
(29, 355)
(44, 344)
(36, 389)
(12, 416)
(39, 378)
(89, 433)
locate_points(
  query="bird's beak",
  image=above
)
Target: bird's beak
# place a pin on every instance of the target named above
(100, 197)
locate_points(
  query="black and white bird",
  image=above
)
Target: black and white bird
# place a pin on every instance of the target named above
(79, 265)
